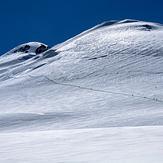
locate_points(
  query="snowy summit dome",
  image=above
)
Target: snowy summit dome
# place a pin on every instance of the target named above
(31, 47)
(21, 53)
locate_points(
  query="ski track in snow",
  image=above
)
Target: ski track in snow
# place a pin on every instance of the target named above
(98, 90)
(96, 97)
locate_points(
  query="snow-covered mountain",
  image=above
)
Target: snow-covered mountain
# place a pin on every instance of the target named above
(96, 97)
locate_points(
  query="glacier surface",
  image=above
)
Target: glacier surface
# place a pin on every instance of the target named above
(97, 97)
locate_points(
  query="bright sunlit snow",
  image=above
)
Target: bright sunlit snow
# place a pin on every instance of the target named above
(97, 97)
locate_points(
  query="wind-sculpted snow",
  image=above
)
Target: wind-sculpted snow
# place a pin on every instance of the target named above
(97, 94)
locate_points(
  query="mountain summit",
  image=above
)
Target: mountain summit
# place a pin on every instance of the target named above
(97, 96)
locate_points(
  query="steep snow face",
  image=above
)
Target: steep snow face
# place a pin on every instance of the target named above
(121, 50)
(103, 86)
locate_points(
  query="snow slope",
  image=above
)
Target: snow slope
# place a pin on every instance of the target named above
(95, 98)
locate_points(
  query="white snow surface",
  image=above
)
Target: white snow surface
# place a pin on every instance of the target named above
(97, 97)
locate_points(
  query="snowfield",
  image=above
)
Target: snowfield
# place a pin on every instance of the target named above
(97, 97)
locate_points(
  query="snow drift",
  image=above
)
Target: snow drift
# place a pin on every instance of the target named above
(99, 93)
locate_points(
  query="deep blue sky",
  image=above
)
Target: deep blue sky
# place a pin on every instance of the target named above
(54, 21)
